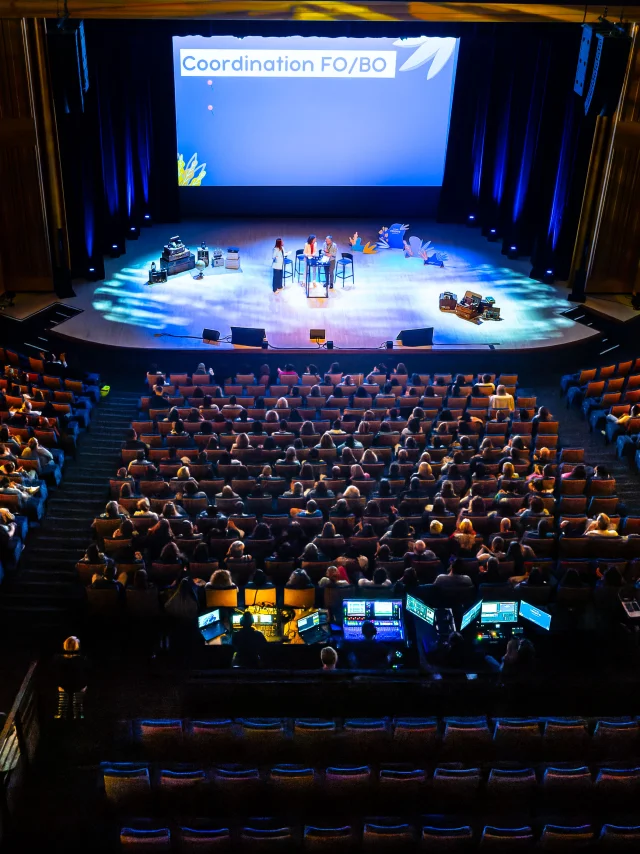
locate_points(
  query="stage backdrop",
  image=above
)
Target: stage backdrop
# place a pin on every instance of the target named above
(312, 125)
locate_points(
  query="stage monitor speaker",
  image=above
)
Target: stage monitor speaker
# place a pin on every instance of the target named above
(416, 337)
(210, 335)
(246, 336)
(607, 76)
(586, 56)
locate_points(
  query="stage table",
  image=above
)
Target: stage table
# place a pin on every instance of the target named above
(322, 267)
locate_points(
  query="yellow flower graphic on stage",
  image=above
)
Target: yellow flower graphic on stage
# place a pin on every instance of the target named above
(192, 174)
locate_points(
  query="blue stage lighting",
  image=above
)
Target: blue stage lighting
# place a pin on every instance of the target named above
(492, 237)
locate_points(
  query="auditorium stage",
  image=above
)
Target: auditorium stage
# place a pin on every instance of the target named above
(390, 292)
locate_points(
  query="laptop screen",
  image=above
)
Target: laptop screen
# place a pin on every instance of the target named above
(309, 622)
(419, 609)
(208, 619)
(499, 612)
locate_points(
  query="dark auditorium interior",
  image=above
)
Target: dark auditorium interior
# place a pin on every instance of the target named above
(321, 597)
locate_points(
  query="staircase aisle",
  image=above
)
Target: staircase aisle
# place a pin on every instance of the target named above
(45, 593)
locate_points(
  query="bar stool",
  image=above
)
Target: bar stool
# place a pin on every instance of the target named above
(287, 271)
(343, 266)
(300, 265)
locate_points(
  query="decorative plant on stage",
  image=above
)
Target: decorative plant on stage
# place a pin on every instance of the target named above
(436, 258)
(355, 242)
(391, 237)
(415, 248)
(192, 174)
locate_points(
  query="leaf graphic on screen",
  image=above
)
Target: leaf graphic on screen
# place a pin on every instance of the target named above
(192, 174)
(425, 50)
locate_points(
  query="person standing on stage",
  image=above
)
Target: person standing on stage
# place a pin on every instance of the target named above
(310, 251)
(277, 264)
(330, 251)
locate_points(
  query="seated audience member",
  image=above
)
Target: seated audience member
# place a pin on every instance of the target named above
(328, 658)
(311, 511)
(464, 538)
(299, 580)
(335, 576)
(249, 645)
(534, 579)
(108, 580)
(221, 580)
(455, 578)
(407, 583)
(379, 580)
(259, 581)
(600, 527)
(369, 653)
(518, 661)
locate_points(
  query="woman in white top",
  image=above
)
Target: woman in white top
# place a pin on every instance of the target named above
(277, 264)
(310, 251)
(501, 399)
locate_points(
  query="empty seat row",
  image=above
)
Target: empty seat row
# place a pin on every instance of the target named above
(379, 834)
(453, 738)
(348, 789)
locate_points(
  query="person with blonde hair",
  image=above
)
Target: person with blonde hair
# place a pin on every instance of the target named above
(71, 670)
(351, 492)
(464, 535)
(600, 527)
(236, 551)
(220, 580)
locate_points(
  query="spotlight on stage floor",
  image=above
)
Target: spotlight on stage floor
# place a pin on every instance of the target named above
(210, 336)
(471, 221)
(329, 345)
(492, 236)
(134, 233)
(116, 250)
(147, 222)
(389, 345)
(317, 335)
(512, 251)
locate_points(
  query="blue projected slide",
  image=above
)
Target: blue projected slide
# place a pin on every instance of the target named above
(535, 615)
(304, 112)
(470, 615)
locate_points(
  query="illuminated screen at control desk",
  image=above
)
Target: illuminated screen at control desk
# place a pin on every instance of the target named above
(499, 612)
(385, 614)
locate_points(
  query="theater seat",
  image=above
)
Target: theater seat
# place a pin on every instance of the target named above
(617, 788)
(615, 838)
(455, 786)
(212, 739)
(415, 737)
(517, 738)
(328, 839)
(262, 737)
(506, 785)
(506, 839)
(145, 841)
(387, 837)
(266, 839)
(348, 781)
(364, 738)
(442, 840)
(126, 786)
(466, 737)
(236, 786)
(314, 737)
(567, 786)
(291, 782)
(204, 841)
(399, 785)
(565, 738)
(161, 738)
(560, 838)
(615, 739)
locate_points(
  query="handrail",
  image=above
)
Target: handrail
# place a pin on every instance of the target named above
(18, 742)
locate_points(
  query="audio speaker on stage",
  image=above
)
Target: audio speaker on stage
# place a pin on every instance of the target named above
(210, 335)
(416, 337)
(602, 64)
(247, 336)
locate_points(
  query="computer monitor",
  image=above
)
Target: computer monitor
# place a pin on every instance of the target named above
(259, 619)
(535, 615)
(419, 609)
(385, 614)
(470, 615)
(210, 626)
(495, 613)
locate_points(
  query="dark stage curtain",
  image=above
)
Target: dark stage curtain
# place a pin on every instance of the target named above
(519, 142)
(118, 155)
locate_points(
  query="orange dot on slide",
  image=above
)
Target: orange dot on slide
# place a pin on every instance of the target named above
(210, 107)
(209, 82)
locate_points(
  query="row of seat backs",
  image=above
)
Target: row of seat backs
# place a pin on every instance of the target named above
(380, 834)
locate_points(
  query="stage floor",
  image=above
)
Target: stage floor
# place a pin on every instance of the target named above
(390, 292)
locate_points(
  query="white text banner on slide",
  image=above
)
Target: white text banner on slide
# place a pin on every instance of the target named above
(293, 63)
